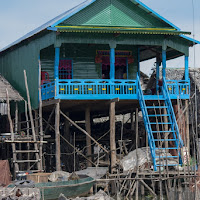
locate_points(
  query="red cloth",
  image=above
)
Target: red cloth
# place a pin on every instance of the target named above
(5, 175)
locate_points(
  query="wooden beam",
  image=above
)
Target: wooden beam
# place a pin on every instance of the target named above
(57, 136)
(112, 136)
(50, 102)
(85, 132)
(88, 139)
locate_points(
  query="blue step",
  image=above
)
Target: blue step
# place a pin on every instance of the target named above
(166, 156)
(178, 143)
(160, 140)
(167, 148)
(160, 123)
(159, 115)
(169, 165)
(156, 107)
(163, 131)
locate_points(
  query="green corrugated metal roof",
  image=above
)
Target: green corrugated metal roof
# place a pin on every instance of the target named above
(114, 13)
(125, 30)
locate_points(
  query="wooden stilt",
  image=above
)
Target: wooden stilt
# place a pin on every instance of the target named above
(132, 121)
(12, 132)
(57, 136)
(136, 132)
(28, 134)
(187, 125)
(112, 135)
(31, 119)
(112, 143)
(17, 130)
(136, 125)
(36, 122)
(66, 128)
(40, 117)
(88, 139)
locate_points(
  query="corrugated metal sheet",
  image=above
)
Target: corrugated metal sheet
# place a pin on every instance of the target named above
(114, 13)
(86, 68)
(25, 58)
(48, 66)
(3, 108)
(51, 22)
(73, 11)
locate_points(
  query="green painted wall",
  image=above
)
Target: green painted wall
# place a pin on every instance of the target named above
(25, 57)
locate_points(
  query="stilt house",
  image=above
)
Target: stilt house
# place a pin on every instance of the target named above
(90, 59)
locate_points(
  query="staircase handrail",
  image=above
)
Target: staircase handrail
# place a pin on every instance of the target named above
(140, 94)
(167, 97)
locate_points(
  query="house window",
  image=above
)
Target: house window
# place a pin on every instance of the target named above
(65, 69)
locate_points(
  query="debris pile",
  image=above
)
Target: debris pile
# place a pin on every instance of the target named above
(101, 195)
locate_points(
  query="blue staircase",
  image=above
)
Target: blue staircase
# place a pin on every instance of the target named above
(153, 113)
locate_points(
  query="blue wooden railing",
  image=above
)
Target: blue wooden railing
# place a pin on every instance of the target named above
(178, 88)
(148, 128)
(48, 90)
(168, 102)
(94, 89)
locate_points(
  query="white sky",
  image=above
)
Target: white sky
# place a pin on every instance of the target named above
(17, 17)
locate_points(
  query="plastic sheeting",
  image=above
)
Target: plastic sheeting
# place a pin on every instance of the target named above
(134, 158)
(59, 176)
(94, 172)
(142, 158)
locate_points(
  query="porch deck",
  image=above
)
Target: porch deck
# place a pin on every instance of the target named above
(105, 89)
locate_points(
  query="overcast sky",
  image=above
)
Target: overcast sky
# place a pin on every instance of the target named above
(17, 17)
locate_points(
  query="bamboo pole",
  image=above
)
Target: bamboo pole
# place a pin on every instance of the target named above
(40, 116)
(27, 124)
(31, 118)
(12, 132)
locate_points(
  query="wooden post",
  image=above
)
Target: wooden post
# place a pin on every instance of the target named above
(36, 123)
(66, 128)
(40, 116)
(136, 138)
(132, 121)
(112, 135)
(31, 118)
(187, 125)
(16, 131)
(28, 134)
(57, 136)
(136, 126)
(12, 133)
(88, 140)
